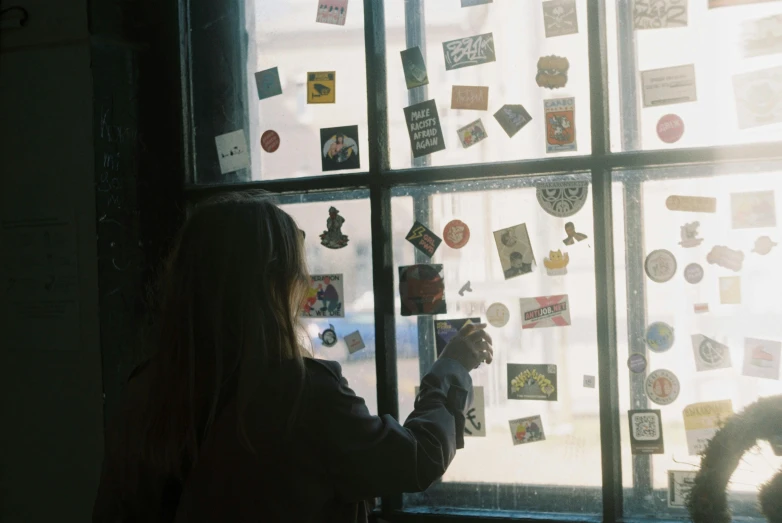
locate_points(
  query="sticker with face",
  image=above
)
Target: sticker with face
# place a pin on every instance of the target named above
(515, 251)
(332, 237)
(556, 263)
(472, 133)
(456, 234)
(527, 430)
(552, 72)
(339, 148)
(328, 337)
(324, 298)
(572, 235)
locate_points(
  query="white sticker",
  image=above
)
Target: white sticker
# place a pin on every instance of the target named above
(232, 151)
(354, 342)
(659, 14)
(702, 421)
(680, 483)
(475, 418)
(762, 36)
(497, 315)
(589, 381)
(662, 387)
(751, 210)
(710, 354)
(758, 97)
(671, 85)
(761, 358)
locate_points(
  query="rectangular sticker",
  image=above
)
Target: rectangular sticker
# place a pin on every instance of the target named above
(355, 342)
(232, 151)
(527, 430)
(472, 133)
(545, 311)
(321, 87)
(659, 14)
(671, 85)
(475, 418)
(514, 250)
(680, 483)
(423, 239)
(762, 36)
(691, 203)
(710, 354)
(339, 148)
(560, 117)
(727, 3)
(589, 381)
(532, 382)
(752, 108)
(470, 3)
(414, 67)
(646, 431)
(761, 358)
(512, 118)
(423, 126)
(469, 51)
(702, 421)
(268, 83)
(444, 330)
(422, 289)
(332, 12)
(730, 290)
(324, 297)
(560, 18)
(752, 210)
(472, 97)
(700, 308)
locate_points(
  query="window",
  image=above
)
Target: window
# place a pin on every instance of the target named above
(670, 99)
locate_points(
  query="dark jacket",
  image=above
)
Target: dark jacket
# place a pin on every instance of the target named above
(338, 456)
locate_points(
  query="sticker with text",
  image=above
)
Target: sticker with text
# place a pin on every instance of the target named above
(423, 126)
(560, 124)
(670, 85)
(324, 298)
(321, 87)
(422, 289)
(702, 421)
(354, 342)
(473, 97)
(659, 14)
(560, 18)
(423, 239)
(332, 12)
(472, 133)
(469, 51)
(414, 67)
(646, 431)
(445, 330)
(232, 151)
(512, 117)
(532, 382)
(680, 483)
(515, 250)
(545, 311)
(527, 430)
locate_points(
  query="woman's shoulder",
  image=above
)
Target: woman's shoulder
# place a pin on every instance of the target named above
(323, 371)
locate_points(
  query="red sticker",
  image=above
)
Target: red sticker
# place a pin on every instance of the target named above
(670, 128)
(456, 234)
(270, 141)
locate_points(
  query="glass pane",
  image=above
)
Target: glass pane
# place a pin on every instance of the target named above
(562, 472)
(354, 263)
(519, 41)
(734, 52)
(722, 306)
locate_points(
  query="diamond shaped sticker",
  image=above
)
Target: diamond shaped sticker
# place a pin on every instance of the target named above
(512, 118)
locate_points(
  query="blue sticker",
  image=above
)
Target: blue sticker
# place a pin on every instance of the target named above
(659, 337)
(268, 83)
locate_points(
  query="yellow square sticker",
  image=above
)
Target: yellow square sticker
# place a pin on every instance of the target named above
(321, 87)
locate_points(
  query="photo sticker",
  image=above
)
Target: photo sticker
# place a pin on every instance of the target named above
(560, 124)
(545, 311)
(514, 250)
(414, 67)
(339, 148)
(422, 289)
(472, 133)
(423, 239)
(469, 51)
(560, 18)
(572, 235)
(321, 87)
(332, 12)
(646, 431)
(532, 382)
(324, 297)
(268, 83)
(444, 330)
(470, 97)
(423, 126)
(527, 430)
(659, 14)
(232, 151)
(512, 118)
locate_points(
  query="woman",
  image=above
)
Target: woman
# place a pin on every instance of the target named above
(230, 421)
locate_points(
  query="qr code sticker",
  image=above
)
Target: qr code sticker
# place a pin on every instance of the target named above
(646, 427)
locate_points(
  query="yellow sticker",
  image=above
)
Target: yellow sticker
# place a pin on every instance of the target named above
(321, 87)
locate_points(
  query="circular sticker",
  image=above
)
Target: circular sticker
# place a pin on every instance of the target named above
(456, 234)
(328, 337)
(662, 387)
(660, 265)
(659, 336)
(562, 199)
(670, 128)
(497, 315)
(636, 363)
(270, 141)
(713, 354)
(693, 273)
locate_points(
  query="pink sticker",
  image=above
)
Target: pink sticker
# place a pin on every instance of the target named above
(545, 311)
(670, 128)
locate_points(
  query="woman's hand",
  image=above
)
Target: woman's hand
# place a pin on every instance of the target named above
(470, 347)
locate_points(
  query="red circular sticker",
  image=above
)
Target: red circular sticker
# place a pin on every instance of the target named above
(670, 128)
(270, 141)
(456, 234)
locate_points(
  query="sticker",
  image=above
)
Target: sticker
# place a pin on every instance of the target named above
(691, 203)
(710, 354)
(354, 342)
(532, 382)
(689, 234)
(497, 315)
(763, 245)
(545, 311)
(662, 387)
(560, 124)
(636, 363)
(465, 288)
(725, 257)
(456, 234)
(332, 237)
(339, 148)
(646, 431)
(512, 118)
(270, 141)
(572, 235)
(268, 83)
(560, 18)
(470, 97)
(470, 3)
(660, 265)
(761, 358)
(670, 85)
(659, 336)
(680, 482)
(589, 381)
(751, 210)
(758, 97)
(469, 51)
(423, 126)
(659, 14)
(552, 72)
(414, 67)
(702, 421)
(324, 297)
(422, 289)
(444, 330)
(423, 239)
(693, 273)
(328, 337)
(725, 3)
(527, 430)
(730, 290)
(514, 250)
(762, 36)
(332, 12)
(700, 308)
(321, 87)
(472, 133)
(670, 127)
(562, 199)
(475, 418)
(232, 151)
(556, 263)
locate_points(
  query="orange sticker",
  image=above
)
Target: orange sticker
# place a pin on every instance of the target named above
(456, 234)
